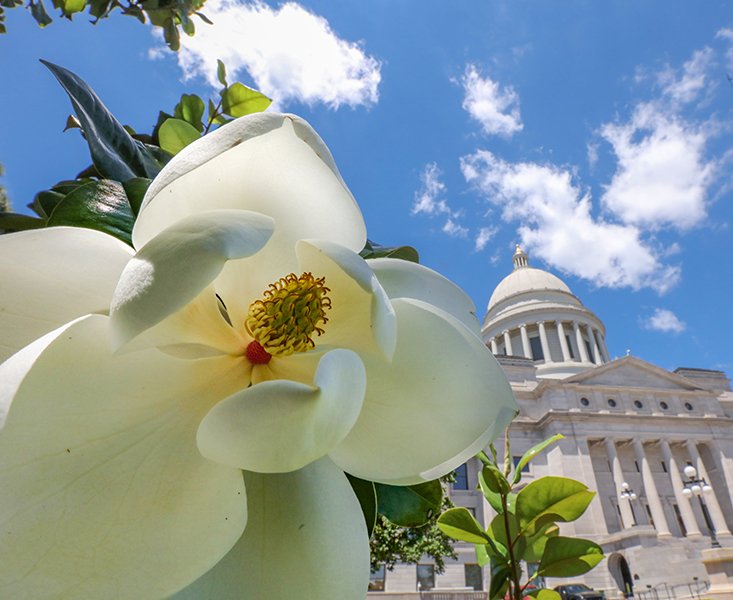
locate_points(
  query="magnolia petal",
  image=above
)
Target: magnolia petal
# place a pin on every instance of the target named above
(103, 493)
(305, 539)
(175, 266)
(269, 163)
(361, 316)
(52, 276)
(405, 279)
(441, 393)
(280, 426)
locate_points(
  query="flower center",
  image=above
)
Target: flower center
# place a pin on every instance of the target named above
(288, 316)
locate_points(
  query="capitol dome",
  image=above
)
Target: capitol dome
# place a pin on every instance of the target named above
(532, 314)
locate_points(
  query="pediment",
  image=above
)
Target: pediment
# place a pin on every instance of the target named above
(635, 373)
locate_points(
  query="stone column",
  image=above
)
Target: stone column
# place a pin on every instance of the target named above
(721, 528)
(563, 341)
(525, 341)
(494, 347)
(688, 517)
(543, 341)
(507, 343)
(617, 475)
(650, 491)
(604, 348)
(581, 343)
(594, 344)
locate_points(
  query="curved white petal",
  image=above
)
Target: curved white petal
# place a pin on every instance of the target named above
(269, 163)
(405, 279)
(361, 316)
(440, 394)
(103, 493)
(280, 426)
(175, 266)
(305, 540)
(52, 276)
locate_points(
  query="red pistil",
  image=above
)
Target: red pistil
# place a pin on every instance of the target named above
(256, 354)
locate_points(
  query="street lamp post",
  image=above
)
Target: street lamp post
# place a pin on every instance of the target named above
(628, 494)
(699, 487)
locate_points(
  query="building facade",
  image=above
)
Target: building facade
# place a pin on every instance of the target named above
(631, 429)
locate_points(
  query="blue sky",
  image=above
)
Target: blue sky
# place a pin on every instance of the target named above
(597, 135)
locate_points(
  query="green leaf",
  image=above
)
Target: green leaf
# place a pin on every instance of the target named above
(551, 499)
(221, 72)
(17, 222)
(495, 480)
(135, 190)
(38, 11)
(72, 6)
(191, 109)
(482, 555)
(536, 543)
(100, 205)
(175, 135)
(238, 100)
(545, 594)
(115, 154)
(45, 202)
(531, 453)
(100, 8)
(497, 529)
(569, 557)
(171, 34)
(460, 524)
(499, 581)
(373, 250)
(367, 495)
(410, 506)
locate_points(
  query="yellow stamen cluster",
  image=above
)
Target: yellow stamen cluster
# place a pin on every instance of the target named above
(290, 313)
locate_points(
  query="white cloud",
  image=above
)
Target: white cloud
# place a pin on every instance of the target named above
(483, 237)
(495, 108)
(662, 177)
(290, 53)
(427, 198)
(454, 229)
(727, 35)
(685, 87)
(556, 224)
(664, 320)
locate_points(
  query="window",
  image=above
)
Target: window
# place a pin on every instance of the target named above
(461, 482)
(688, 406)
(515, 461)
(611, 403)
(473, 577)
(584, 401)
(425, 577)
(570, 347)
(638, 404)
(536, 347)
(376, 580)
(663, 405)
(590, 351)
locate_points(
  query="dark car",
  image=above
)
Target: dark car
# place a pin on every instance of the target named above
(579, 591)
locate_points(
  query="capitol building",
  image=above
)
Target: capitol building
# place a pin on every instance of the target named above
(632, 431)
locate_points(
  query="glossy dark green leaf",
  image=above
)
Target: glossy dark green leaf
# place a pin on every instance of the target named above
(531, 453)
(100, 205)
(135, 190)
(175, 135)
(204, 18)
(412, 505)
(190, 109)
(367, 495)
(495, 480)
(569, 557)
(46, 201)
(38, 11)
(17, 222)
(115, 154)
(221, 72)
(373, 250)
(238, 100)
(100, 8)
(499, 581)
(460, 524)
(551, 499)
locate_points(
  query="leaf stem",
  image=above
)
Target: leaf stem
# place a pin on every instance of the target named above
(515, 570)
(212, 117)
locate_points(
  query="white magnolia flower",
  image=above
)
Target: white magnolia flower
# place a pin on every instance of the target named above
(244, 334)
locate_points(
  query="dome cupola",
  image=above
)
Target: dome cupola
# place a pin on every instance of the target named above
(534, 315)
